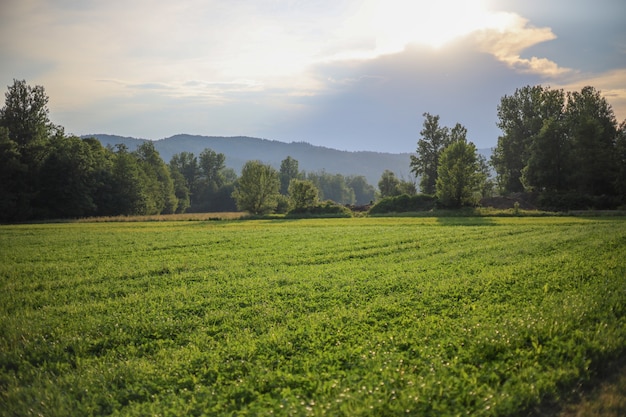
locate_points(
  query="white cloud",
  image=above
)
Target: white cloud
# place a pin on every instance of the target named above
(220, 66)
(511, 37)
(267, 43)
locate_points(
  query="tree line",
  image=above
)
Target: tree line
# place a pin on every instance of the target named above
(564, 148)
(46, 174)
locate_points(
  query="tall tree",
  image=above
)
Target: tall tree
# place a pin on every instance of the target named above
(257, 189)
(25, 115)
(181, 190)
(27, 133)
(520, 117)
(459, 175)
(548, 167)
(187, 164)
(159, 186)
(69, 179)
(592, 130)
(364, 193)
(211, 164)
(548, 154)
(128, 194)
(434, 140)
(620, 153)
(388, 184)
(14, 204)
(333, 187)
(288, 171)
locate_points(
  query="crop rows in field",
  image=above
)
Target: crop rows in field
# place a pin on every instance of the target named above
(484, 316)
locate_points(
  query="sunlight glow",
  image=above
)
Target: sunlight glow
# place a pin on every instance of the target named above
(433, 23)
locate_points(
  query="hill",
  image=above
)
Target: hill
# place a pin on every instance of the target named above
(311, 158)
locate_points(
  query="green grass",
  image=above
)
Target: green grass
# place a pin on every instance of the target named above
(366, 316)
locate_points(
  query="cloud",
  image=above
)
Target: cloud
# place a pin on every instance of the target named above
(377, 104)
(511, 39)
(356, 74)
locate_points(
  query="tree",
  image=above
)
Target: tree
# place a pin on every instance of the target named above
(620, 152)
(211, 165)
(26, 133)
(407, 187)
(25, 115)
(303, 194)
(364, 193)
(158, 185)
(128, 195)
(521, 117)
(180, 190)
(548, 167)
(458, 175)
(434, 140)
(288, 171)
(592, 129)
(488, 185)
(388, 184)
(69, 179)
(257, 189)
(13, 204)
(187, 164)
(333, 187)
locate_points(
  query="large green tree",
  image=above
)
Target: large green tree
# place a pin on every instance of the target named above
(25, 137)
(592, 130)
(14, 204)
(157, 182)
(25, 115)
(459, 175)
(257, 189)
(556, 142)
(70, 179)
(187, 164)
(364, 193)
(303, 195)
(520, 117)
(434, 139)
(548, 167)
(333, 187)
(211, 165)
(289, 170)
(181, 190)
(127, 192)
(388, 185)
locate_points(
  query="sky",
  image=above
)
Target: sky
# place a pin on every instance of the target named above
(345, 74)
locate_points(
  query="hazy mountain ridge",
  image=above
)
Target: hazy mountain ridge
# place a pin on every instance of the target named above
(311, 158)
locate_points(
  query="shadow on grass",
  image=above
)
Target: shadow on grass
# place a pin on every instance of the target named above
(466, 221)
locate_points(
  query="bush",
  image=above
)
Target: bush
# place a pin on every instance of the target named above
(282, 205)
(576, 201)
(404, 203)
(324, 209)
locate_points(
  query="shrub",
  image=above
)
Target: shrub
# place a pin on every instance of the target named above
(324, 209)
(404, 203)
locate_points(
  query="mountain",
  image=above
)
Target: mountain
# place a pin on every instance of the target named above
(238, 150)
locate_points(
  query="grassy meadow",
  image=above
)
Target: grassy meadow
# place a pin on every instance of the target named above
(365, 316)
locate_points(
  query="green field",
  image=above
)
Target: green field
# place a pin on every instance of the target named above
(363, 316)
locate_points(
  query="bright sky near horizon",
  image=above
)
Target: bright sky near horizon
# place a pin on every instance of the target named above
(346, 74)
